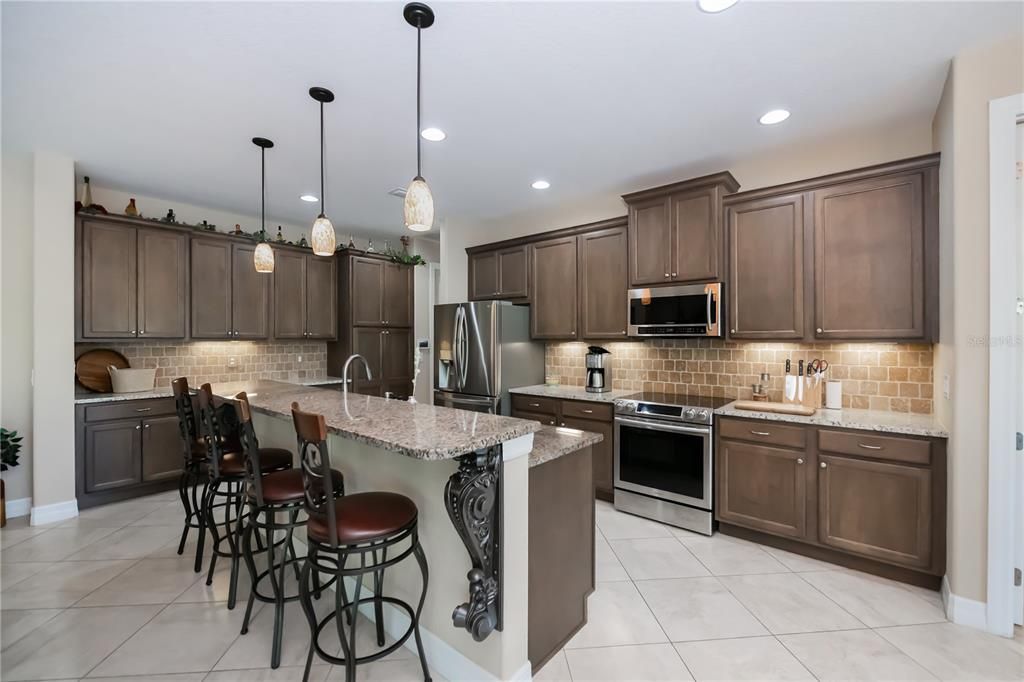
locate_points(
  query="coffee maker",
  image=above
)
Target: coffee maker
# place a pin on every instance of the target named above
(599, 377)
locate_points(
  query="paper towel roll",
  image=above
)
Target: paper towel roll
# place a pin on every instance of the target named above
(833, 395)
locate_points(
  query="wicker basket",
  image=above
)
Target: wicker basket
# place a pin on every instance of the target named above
(131, 380)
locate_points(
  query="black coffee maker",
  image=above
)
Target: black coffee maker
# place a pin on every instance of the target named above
(599, 377)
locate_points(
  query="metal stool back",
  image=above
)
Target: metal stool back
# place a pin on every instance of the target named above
(191, 469)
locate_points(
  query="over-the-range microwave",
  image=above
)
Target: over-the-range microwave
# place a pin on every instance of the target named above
(690, 310)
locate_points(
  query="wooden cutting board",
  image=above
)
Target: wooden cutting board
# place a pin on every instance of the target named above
(780, 408)
(91, 368)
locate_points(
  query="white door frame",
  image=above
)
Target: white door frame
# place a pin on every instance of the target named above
(1004, 356)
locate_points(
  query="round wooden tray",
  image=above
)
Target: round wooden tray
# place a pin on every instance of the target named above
(91, 368)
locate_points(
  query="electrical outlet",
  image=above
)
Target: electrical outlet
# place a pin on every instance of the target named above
(232, 362)
(945, 386)
(300, 358)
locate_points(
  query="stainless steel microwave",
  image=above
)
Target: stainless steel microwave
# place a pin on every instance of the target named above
(690, 310)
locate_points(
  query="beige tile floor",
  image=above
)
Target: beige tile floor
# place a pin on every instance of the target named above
(105, 596)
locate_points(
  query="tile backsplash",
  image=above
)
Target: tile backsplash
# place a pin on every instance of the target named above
(220, 361)
(880, 376)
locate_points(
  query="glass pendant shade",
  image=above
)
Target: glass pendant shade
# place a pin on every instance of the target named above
(263, 257)
(419, 206)
(323, 236)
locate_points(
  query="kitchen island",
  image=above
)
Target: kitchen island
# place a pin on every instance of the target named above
(451, 463)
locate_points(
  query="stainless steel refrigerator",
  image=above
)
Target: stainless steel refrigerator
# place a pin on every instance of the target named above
(481, 350)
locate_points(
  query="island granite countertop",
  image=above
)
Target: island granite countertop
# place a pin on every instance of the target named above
(84, 398)
(412, 429)
(571, 393)
(552, 442)
(849, 418)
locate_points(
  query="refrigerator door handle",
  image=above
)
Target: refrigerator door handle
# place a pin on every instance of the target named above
(463, 345)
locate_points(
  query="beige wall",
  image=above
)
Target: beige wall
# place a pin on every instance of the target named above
(960, 131)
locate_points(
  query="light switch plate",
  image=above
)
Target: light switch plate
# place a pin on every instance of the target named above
(945, 386)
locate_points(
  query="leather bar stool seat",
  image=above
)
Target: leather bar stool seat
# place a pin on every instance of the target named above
(286, 486)
(364, 517)
(271, 459)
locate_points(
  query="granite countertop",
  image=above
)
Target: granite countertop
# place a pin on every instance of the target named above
(318, 381)
(572, 393)
(552, 442)
(849, 418)
(415, 430)
(86, 398)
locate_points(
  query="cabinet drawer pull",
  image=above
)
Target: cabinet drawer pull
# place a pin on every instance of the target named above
(761, 433)
(588, 412)
(562, 424)
(534, 404)
(138, 427)
(869, 447)
(799, 460)
(145, 426)
(823, 465)
(143, 409)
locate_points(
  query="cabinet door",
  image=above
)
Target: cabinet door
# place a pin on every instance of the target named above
(543, 418)
(211, 288)
(368, 342)
(766, 268)
(869, 259)
(397, 295)
(483, 276)
(397, 363)
(602, 274)
(163, 283)
(112, 455)
(876, 509)
(513, 272)
(650, 242)
(289, 295)
(553, 270)
(696, 238)
(250, 296)
(161, 448)
(603, 453)
(367, 294)
(108, 288)
(763, 488)
(321, 298)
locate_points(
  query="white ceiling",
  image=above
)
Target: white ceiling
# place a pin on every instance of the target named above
(163, 98)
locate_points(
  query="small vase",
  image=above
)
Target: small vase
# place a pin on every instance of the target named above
(131, 209)
(86, 194)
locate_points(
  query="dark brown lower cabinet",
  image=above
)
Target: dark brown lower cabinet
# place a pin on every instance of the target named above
(869, 501)
(397, 368)
(125, 449)
(368, 342)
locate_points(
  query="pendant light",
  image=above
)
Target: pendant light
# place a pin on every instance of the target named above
(263, 256)
(419, 203)
(322, 237)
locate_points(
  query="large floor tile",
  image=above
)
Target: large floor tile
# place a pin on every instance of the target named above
(955, 652)
(182, 638)
(616, 525)
(785, 603)
(282, 674)
(799, 563)
(648, 662)
(555, 670)
(172, 514)
(178, 677)
(853, 655)
(55, 544)
(73, 642)
(387, 670)
(148, 581)
(13, 573)
(115, 515)
(9, 537)
(878, 602)
(218, 591)
(130, 542)
(16, 624)
(617, 615)
(653, 558)
(607, 567)
(698, 608)
(61, 584)
(752, 658)
(734, 558)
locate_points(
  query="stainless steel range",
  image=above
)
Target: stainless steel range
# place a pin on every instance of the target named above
(664, 458)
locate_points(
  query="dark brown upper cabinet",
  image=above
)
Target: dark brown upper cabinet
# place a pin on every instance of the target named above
(397, 295)
(321, 297)
(499, 273)
(132, 281)
(602, 283)
(230, 299)
(304, 291)
(553, 313)
(765, 288)
(675, 231)
(381, 292)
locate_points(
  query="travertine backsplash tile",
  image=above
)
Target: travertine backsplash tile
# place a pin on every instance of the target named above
(880, 376)
(220, 361)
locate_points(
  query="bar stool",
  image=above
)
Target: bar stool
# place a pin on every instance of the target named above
(226, 469)
(270, 494)
(363, 526)
(194, 456)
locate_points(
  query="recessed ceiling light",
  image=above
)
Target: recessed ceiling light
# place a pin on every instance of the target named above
(433, 134)
(540, 184)
(715, 6)
(309, 197)
(774, 116)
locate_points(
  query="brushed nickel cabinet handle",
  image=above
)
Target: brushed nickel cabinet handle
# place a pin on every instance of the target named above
(588, 412)
(673, 274)
(146, 426)
(623, 332)
(761, 433)
(142, 331)
(799, 460)
(823, 465)
(818, 330)
(143, 409)
(732, 331)
(869, 447)
(534, 404)
(138, 427)
(562, 424)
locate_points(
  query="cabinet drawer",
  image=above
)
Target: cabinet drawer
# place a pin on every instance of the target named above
(129, 409)
(545, 419)
(530, 403)
(587, 410)
(910, 450)
(767, 432)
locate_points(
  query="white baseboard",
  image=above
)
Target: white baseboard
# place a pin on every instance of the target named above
(51, 513)
(20, 507)
(964, 611)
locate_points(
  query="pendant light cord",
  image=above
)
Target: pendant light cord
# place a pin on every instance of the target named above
(419, 31)
(263, 193)
(321, 159)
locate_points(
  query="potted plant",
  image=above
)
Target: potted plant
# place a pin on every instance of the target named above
(10, 445)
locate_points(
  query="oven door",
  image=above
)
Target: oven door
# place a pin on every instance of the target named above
(664, 460)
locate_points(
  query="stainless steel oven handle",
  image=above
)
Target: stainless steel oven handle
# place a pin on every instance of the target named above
(708, 312)
(661, 426)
